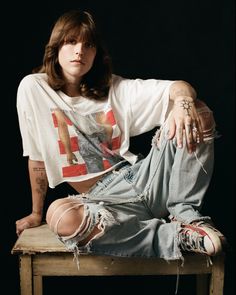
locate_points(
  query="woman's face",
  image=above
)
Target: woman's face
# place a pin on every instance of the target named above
(76, 58)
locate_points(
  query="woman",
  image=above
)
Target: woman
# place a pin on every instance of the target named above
(76, 118)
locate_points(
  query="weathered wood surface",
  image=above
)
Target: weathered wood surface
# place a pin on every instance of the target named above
(38, 240)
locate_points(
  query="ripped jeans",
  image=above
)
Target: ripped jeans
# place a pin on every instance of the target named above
(130, 205)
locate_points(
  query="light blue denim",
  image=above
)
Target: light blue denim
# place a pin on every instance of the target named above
(140, 199)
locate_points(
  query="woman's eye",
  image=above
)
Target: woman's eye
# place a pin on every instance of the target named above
(89, 45)
(73, 41)
(70, 41)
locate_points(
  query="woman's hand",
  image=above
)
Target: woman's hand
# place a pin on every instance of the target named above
(184, 123)
(32, 220)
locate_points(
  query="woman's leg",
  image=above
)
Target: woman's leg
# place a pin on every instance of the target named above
(174, 181)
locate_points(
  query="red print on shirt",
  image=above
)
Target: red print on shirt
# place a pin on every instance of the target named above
(87, 144)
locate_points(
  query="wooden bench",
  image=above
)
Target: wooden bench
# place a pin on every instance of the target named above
(42, 254)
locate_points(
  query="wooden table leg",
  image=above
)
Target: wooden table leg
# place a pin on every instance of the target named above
(217, 276)
(202, 284)
(38, 285)
(26, 275)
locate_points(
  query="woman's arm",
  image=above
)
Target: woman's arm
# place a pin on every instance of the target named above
(39, 186)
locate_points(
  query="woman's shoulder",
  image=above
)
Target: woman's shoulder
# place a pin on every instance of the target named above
(117, 79)
(119, 82)
(32, 79)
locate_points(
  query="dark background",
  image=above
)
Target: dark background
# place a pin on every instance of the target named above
(188, 40)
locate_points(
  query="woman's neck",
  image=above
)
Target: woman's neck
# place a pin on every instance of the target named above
(71, 89)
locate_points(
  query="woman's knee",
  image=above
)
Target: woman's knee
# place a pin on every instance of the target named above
(65, 216)
(54, 206)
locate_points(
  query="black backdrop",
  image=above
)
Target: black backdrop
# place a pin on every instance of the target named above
(191, 40)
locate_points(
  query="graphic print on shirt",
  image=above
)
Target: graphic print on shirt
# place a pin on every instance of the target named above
(87, 144)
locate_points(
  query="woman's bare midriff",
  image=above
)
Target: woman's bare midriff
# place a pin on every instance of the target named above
(84, 186)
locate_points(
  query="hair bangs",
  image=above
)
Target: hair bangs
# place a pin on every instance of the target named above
(82, 32)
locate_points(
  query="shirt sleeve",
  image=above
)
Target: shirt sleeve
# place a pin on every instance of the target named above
(28, 130)
(147, 101)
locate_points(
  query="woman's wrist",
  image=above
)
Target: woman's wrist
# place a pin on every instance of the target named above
(39, 213)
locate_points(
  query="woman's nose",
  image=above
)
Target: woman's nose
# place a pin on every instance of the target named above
(79, 49)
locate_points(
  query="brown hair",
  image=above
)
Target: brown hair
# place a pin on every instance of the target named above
(95, 84)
